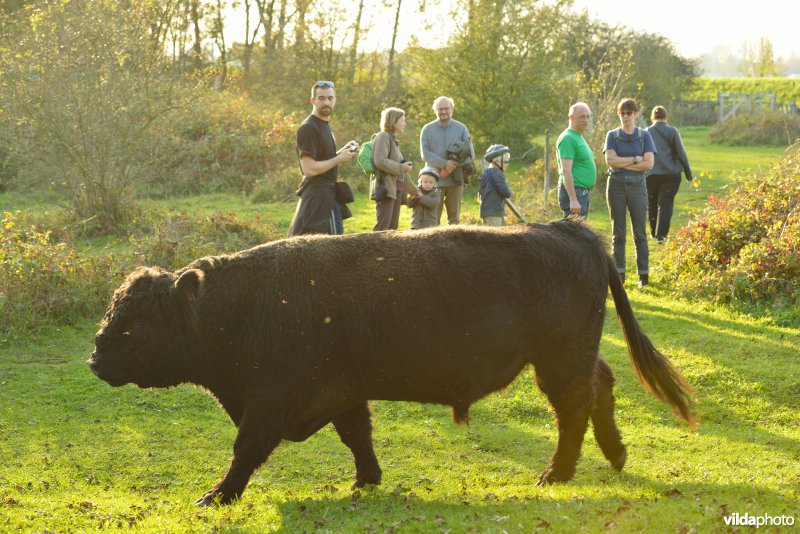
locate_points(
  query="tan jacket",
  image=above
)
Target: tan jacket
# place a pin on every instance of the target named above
(387, 157)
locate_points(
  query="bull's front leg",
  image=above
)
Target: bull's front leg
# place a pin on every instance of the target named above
(255, 441)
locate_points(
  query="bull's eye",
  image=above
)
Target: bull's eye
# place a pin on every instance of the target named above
(133, 327)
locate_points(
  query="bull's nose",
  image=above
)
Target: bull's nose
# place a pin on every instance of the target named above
(94, 363)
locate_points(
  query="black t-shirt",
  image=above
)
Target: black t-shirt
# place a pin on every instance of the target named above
(315, 140)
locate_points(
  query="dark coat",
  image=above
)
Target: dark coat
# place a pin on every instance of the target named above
(288, 340)
(493, 190)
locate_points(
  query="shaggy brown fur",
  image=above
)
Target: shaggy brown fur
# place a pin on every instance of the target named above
(296, 334)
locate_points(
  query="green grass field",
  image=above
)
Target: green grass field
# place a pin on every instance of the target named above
(78, 455)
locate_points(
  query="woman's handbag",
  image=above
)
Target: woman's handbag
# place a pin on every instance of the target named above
(377, 190)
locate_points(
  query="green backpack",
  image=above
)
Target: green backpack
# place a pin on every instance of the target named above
(365, 160)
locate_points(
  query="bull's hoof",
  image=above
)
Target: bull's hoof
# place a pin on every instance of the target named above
(364, 476)
(551, 477)
(366, 481)
(205, 501)
(214, 498)
(619, 462)
(364, 485)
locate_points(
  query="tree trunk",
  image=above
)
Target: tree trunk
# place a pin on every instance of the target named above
(197, 48)
(220, 40)
(392, 74)
(356, 36)
(300, 27)
(266, 12)
(279, 38)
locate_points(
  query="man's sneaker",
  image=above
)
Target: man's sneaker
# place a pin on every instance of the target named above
(643, 280)
(661, 240)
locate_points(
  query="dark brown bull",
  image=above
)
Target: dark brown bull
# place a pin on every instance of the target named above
(299, 333)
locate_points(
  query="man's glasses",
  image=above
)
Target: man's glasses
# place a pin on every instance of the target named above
(626, 113)
(323, 83)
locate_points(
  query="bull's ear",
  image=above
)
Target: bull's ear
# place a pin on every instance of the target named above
(185, 293)
(188, 285)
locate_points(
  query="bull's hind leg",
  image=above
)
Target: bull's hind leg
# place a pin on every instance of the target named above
(355, 430)
(572, 399)
(603, 423)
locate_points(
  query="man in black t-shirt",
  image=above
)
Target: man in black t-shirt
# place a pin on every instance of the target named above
(317, 210)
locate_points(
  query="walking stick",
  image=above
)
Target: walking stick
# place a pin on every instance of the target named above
(516, 211)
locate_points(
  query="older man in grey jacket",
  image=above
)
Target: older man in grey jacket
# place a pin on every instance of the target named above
(434, 141)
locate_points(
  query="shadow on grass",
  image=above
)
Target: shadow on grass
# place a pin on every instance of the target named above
(662, 507)
(751, 364)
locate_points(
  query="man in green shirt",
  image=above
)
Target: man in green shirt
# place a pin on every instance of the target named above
(577, 172)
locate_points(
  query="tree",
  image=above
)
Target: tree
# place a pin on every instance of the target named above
(761, 61)
(86, 83)
(502, 67)
(654, 72)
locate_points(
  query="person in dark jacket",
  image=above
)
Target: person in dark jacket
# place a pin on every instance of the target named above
(317, 211)
(493, 188)
(665, 178)
(426, 204)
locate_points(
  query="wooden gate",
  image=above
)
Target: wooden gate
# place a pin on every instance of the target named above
(731, 103)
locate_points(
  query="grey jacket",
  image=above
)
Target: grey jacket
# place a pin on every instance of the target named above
(435, 139)
(387, 157)
(670, 157)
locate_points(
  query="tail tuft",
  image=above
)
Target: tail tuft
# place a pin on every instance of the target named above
(654, 370)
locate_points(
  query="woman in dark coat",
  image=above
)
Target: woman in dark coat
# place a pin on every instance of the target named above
(665, 178)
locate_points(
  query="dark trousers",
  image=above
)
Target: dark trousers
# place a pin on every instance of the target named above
(623, 196)
(661, 191)
(451, 201)
(387, 214)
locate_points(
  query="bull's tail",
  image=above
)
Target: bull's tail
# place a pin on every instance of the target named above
(653, 369)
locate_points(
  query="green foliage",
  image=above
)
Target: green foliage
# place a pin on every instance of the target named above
(44, 281)
(502, 70)
(172, 239)
(785, 89)
(742, 250)
(757, 129)
(83, 87)
(641, 65)
(225, 142)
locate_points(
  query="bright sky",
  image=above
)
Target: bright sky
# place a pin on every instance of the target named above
(696, 27)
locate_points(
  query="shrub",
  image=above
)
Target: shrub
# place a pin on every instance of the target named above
(744, 248)
(226, 142)
(171, 239)
(749, 129)
(42, 281)
(528, 188)
(83, 94)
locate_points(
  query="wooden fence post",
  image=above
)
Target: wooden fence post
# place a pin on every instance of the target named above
(546, 167)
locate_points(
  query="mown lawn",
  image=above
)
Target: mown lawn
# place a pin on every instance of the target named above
(78, 455)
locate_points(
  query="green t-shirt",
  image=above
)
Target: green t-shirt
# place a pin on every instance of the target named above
(572, 145)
